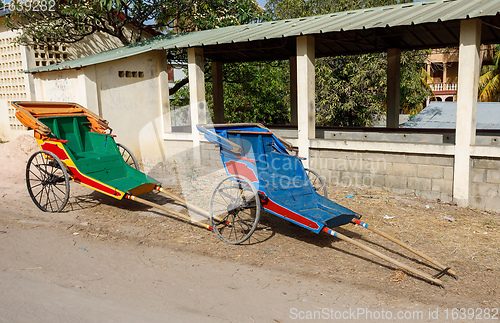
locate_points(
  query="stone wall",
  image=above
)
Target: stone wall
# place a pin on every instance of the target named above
(182, 151)
(178, 150)
(485, 183)
(428, 176)
(210, 155)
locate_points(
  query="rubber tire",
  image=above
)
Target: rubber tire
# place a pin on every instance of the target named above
(214, 223)
(53, 159)
(127, 155)
(321, 180)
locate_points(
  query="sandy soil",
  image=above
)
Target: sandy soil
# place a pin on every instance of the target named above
(109, 260)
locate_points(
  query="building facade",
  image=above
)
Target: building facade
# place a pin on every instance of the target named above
(15, 58)
(442, 67)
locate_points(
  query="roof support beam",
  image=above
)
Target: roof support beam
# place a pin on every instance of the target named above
(306, 94)
(197, 102)
(393, 86)
(218, 92)
(468, 79)
(293, 90)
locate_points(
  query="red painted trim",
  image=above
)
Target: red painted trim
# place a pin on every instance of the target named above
(357, 221)
(53, 148)
(237, 168)
(287, 213)
(79, 177)
(247, 159)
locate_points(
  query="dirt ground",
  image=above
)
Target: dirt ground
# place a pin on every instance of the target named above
(115, 253)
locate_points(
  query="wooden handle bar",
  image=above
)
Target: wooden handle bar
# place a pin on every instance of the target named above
(417, 272)
(187, 204)
(404, 245)
(183, 201)
(169, 211)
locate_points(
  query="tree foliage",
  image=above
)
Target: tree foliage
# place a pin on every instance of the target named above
(69, 21)
(285, 9)
(489, 81)
(255, 92)
(350, 89)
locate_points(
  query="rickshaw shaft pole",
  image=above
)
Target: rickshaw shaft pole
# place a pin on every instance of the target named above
(404, 245)
(168, 211)
(416, 272)
(183, 201)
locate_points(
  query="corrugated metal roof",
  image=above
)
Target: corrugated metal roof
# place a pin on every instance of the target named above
(443, 115)
(425, 24)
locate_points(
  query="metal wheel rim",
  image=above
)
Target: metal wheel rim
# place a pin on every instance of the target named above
(127, 156)
(234, 209)
(317, 182)
(47, 181)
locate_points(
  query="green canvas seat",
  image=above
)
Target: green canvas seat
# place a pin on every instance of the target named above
(96, 155)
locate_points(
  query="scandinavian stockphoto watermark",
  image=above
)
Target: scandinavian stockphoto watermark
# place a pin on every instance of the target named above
(362, 313)
(349, 172)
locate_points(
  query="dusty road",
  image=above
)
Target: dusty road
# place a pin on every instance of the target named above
(51, 276)
(104, 260)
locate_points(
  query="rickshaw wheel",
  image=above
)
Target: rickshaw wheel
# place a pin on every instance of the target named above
(47, 181)
(127, 155)
(317, 182)
(234, 209)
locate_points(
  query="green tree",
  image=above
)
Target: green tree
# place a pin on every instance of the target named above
(489, 81)
(69, 21)
(255, 92)
(350, 89)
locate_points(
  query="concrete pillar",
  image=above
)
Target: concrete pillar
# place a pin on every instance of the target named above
(393, 86)
(218, 92)
(197, 102)
(87, 82)
(468, 79)
(445, 76)
(164, 91)
(27, 62)
(306, 113)
(293, 91)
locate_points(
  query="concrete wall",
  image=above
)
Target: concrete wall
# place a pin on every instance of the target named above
(182, 151)
(485, 183)
(126, 92)
(132, 105)
(429, 176)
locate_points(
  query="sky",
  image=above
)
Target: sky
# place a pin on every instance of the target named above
(262, 3)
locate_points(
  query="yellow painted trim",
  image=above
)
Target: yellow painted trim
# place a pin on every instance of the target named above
(70, 163)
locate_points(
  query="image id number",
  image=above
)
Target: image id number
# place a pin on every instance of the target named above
(471, 314)
(31, 5)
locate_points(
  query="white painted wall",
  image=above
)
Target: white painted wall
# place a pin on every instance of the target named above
(90, 45)
(4, 121)
(132, 105)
